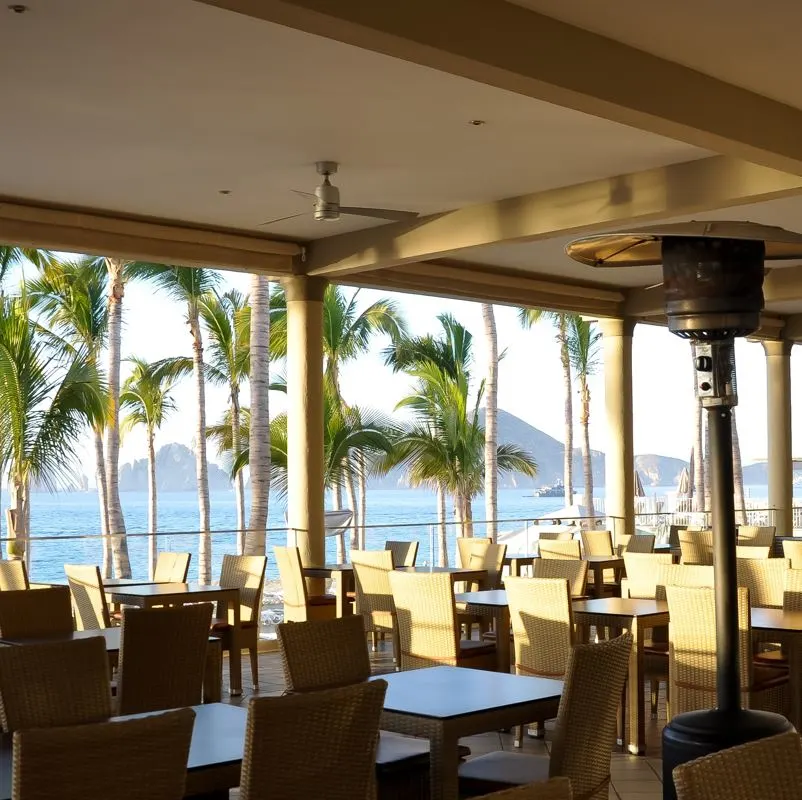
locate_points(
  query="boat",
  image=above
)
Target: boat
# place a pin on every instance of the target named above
(555, 490)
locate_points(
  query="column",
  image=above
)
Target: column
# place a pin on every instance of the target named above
(780, 455)
(305, 457)
(619, 471)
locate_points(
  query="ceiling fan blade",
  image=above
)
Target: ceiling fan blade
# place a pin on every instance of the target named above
(281, 219)
(378, 213)
(304, 194)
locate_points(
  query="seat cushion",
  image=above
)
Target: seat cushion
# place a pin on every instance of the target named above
(321, 600)
(764, 677)
(502, 768)
(471, 647)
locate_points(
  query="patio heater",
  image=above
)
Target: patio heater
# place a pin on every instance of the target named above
(713, 282)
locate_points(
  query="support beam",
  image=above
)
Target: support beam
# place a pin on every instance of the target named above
(305, 457)
(513, 48)
(168, 242)
(780, 458)
(619, 459)
(671, 191)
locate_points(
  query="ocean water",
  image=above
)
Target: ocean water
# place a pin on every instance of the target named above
(406, 514)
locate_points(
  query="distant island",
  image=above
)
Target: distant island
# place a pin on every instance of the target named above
(175, 472)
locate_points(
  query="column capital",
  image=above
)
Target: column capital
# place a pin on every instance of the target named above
(617, 327)
(304, 287)
(777, 347)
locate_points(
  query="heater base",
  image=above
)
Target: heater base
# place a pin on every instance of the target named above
(699, 733)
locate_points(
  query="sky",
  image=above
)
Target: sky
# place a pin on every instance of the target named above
(530, 375)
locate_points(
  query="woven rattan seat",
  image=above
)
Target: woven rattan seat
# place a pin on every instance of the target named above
(374, 597)
(316, 744)
(584, 733)
(640, 543)
(13, 575)
(162, 657)
(597, 543)
(643, 572)
(751, 551)
(35, 613)
(768, 768)
(125, 760)
(551, 548)
(554, 789)
(66, 683)
(756, 535)
(696, 546)
(575, 571)
(404, 553)
(298, 605)
(172, 567)
(88, 597)
(765, 580)
(793, 550)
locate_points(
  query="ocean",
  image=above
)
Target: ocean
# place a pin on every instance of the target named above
(405, 514)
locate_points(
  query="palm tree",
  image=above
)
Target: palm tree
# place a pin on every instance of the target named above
(146, 396)
(491, 422)
(347, 334)
(72, 297)
(17, 256)
(227, 321)
(48, 395)
(259, 437)
(528, 317)
(444, 446)
(583, 348)
(188, 285)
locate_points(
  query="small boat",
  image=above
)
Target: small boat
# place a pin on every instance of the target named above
(556, 490)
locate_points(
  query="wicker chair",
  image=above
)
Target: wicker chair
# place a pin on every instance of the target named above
(640, 543)
(471, 551)
(427, 625)
(323, 655)
(67, 683)
(322, 742)
(765, 579)
(597, 543)
(696, 546)
(756, 535)
(35, 614)
(549, 548)
(172, 567)
(683, 575)
(767, 768)
(792, 596)
(13, 575)
(575, 571)
(643, 571)
(299, 605)
(162, 657)
(374, 597)
(404, 553)
(554, 789)
(752, 551)
(88, 597)
(793, 550)
(584, 733)
(126, 760)
(556, 536)
(692, 655)
(246, 573)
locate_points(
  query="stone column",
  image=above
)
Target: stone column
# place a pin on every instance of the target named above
(619, 478)
(305, 467)
(780, 455)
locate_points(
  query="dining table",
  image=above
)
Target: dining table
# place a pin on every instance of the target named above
(178, 594)
(597, 565)
(213, 670)
(515, 562)
(442, 704)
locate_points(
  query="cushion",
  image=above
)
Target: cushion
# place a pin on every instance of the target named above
(505, 768)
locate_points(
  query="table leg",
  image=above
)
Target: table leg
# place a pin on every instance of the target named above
(636, 710)
(213, 673)
(598, 580)
(235, 653)
(503, 638)
(515, 568)
(342, 598)
(443, 766)
(795, 678)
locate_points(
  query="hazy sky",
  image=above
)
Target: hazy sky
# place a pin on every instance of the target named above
(530, 376)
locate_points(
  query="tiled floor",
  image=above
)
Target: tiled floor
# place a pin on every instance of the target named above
(633, 777)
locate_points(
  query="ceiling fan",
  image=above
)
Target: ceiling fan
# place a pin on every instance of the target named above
(327, 206)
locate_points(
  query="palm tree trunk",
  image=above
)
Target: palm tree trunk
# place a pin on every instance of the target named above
(350, 487)
(337, 504)
(738, 475)
(259, 441)
(459, 515)
(587, 463)
(362, 477)
(467, 515)
(119, 544)
(698, 476)
(201, 465)
(239, 480)
(103, 502)
(153, 549)
(442, 539)
(568, 453)
(491, 423)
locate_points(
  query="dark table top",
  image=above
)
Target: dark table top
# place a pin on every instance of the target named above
(168, 590)
(116, 583)
(218, 738)
(326, 570)
(448, 692)
(459, 571)
(111, 635)
(616, 560)
(621, 606)
(487, 597)
(776, 619)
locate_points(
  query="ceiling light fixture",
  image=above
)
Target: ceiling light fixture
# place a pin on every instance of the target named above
(477, 122)
(18, 8)
(224, 191)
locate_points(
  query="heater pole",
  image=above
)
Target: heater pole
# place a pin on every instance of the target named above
(728, 678)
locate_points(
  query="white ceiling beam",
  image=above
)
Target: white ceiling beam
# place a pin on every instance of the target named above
(675, 190)
(81, 231)
(513, 48)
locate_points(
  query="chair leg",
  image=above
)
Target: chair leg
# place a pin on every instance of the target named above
(519, 736)
(374, 640)
(254, 654)
(654, 691)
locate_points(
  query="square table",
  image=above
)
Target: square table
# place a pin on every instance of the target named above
(215, 752)
(516, 561)
(457, 573)
(597, 564)
(213, 672)
(636, 616)
(443, 704)
(492, 602)
(179, 594)
(343, 574)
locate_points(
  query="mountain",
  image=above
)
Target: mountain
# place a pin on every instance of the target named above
(175, 472)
